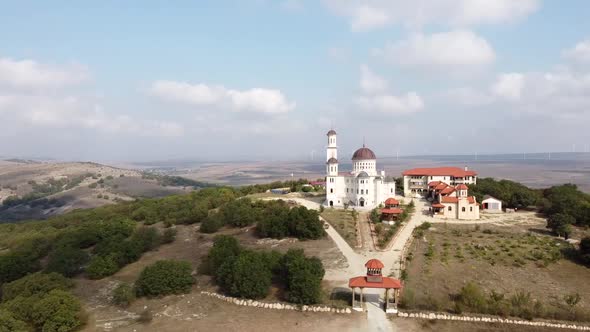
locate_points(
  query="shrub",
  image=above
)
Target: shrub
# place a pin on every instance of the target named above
(251, 276)
(67, 260)
(146, 238)
(17, 264)
(168, 236)
(57, 311)
(302, 276)
(225, 248)
(165, 277)
(9, 323)
(35, 284)
(123, 295)
(212, 223)
(102, 266)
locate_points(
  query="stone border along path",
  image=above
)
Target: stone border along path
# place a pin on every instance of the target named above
(466, 318)
(276, 305)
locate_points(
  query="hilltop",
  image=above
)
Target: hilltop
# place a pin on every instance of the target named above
(38, 190)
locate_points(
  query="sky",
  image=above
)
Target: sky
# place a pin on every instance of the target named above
(265, 80)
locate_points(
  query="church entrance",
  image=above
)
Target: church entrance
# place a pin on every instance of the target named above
(362, 202)
(331, 203)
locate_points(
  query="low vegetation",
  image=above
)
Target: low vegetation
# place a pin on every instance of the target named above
(486, 270)
(250, 274)
(40, 302)
(344, 222)
(163, 278)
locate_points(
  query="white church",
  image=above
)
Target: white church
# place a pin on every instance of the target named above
(363, 187)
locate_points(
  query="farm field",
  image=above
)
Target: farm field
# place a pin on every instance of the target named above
(517, 263)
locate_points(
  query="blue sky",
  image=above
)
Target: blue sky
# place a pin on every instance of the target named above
(255, 79)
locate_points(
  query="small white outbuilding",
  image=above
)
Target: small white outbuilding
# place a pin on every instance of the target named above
(491, 204)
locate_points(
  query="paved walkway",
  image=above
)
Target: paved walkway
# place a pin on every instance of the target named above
(376, 318)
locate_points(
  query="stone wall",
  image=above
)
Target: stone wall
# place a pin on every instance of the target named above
(490, 319)
(277, 305)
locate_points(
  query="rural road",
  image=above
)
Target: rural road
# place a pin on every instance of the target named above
(376, 318)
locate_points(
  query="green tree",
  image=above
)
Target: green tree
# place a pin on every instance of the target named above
(57, 311)
(225, 249)
(251, 276)
(68, 261)
(165, 277)
(560, 223)
(102, 266)
(302, 277)
(9, 323)
(35, 284)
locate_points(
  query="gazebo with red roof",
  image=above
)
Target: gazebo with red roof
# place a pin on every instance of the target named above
(375, 279)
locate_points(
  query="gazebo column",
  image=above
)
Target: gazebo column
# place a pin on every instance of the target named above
(386, 299)
(361, 298)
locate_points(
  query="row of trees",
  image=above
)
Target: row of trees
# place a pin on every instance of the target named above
(250, 274)
(274, 219)
(512, 194)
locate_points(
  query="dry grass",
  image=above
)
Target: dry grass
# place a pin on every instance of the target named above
(343, 223)
(195, 312)
(507, 260)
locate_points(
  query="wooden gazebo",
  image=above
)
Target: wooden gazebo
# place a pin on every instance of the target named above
(375, 279)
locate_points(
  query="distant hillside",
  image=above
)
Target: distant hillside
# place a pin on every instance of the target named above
(38, 190)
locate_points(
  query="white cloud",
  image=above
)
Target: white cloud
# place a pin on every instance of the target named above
(562, 93)
(371, 14)
(445, 49)
(31, 74)
(509, 86)
(371, 82)
(579, 53)
(376, 98)
(69, 112)
(254, 100)
(408, 103)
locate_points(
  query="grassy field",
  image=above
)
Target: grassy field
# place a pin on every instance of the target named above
(343, 223)
(524, 269)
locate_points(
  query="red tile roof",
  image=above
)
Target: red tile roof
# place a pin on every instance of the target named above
(440, 171)
(386, 283)
(374, 264)
(462, 186)
(433, 184)
(391, 201)
(437, 205)
(441, 186)
(471, 199)
(447, 190)
(392, 211)
(447, 199)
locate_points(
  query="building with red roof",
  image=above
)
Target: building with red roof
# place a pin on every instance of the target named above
(418, 181)
(452, 202)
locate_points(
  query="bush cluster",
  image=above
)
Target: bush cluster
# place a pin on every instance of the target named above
(165, 277)
(40, 302)
(250, 274)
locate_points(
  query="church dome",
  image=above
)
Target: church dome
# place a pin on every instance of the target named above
(332, 161)
(363, 154)
(331, 132)
(363, 174)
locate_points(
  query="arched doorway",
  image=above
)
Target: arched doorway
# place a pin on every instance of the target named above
(331, 203)
(362, 202)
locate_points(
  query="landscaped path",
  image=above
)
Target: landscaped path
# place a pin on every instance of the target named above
(376, 318)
